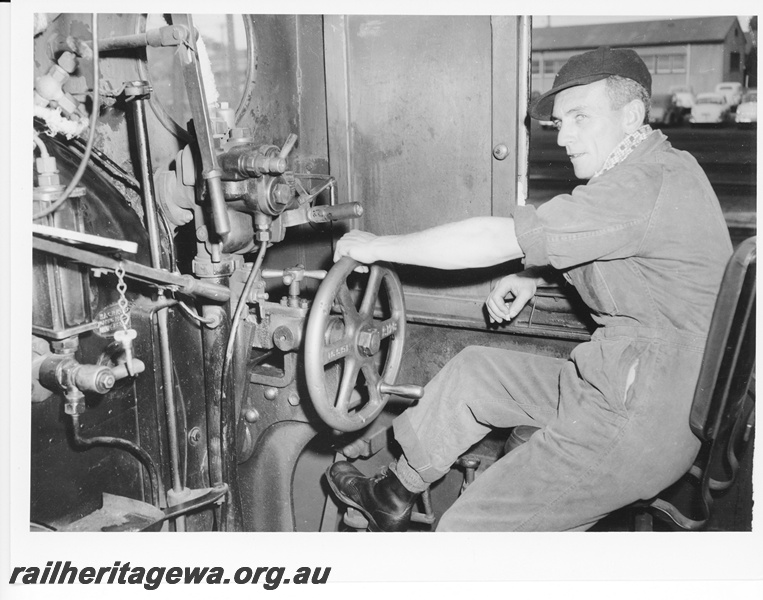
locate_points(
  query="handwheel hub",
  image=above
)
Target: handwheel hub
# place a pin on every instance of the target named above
(369, 341)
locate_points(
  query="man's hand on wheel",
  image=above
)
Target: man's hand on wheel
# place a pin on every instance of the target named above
(357, 245)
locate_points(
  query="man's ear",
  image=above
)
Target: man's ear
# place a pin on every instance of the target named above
(633, 115)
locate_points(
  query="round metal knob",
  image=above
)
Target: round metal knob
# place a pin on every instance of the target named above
(501, 151)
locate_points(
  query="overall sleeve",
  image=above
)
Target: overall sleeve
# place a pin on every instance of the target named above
(604, 220)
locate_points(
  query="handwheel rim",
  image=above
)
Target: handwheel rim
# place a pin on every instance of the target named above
(335, 409)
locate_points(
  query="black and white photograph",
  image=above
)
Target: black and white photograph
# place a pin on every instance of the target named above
(368, 299)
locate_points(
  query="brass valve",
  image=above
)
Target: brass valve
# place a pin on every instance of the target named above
(293, 277)
(62, 372)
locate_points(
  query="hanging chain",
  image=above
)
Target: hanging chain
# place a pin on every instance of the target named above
(126, 335)
(123, 303)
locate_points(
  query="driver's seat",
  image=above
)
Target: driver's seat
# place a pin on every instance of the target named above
(723, 411)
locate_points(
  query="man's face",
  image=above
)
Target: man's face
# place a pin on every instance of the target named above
(588, 127)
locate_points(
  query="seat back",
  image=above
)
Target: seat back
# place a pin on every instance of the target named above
(722, 412)
(729, 356)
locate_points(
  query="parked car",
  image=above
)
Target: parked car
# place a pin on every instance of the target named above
(732, 90)
(710, 108)
(664, 111)
(747, 111)
(684, 96)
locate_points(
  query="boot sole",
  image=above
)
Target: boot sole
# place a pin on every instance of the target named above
(372, 526)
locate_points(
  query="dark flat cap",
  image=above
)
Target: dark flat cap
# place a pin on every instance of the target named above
(591, 66)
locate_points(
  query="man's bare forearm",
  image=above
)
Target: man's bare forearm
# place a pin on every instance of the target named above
(472, 243)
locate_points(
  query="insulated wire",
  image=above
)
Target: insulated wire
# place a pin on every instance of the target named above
(109, 165)
(194, 315)
(40, 145)
(91, 138)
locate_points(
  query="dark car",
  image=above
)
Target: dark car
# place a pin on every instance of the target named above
(664, 111)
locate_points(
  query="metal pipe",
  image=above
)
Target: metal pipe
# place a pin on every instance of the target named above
(221, 413)
(169, 397)
(137, 93)
(156, 106)
(221, 421)
(251, 68)
(240, 309)
(122, 444)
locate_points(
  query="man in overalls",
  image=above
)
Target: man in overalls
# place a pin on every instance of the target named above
(645, 244)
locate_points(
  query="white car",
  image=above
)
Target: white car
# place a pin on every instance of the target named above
(732, 90)
(684, 96)
(710, 108)
(747, 111)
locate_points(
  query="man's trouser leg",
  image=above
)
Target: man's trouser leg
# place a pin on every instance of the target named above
(479, 389)
(621, 434)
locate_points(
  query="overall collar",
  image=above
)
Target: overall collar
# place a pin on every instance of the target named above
(624, 148)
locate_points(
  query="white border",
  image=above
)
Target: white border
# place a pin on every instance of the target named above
(635, 565)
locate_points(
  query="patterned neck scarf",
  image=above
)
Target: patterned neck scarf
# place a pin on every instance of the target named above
(624, 148)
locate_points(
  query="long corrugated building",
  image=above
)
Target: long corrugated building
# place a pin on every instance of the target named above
(698, 52)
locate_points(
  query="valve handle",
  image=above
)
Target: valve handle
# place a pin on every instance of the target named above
(288, 145)
(125, 337)
(305, 274)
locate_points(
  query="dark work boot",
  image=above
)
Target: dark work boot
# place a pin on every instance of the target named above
(383, 499)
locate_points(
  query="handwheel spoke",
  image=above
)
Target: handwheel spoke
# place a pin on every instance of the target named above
(372, 291)
(347, 305)
(372, 381)
(337, 350)
(387, 327)
(347, 385)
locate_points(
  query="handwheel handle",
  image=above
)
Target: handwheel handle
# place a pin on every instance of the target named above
(406, 390)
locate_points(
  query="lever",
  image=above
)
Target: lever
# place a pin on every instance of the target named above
(170, 35)
(288, 145)
(324, 214)
(194, 87)
(185, 284)
(125, 337)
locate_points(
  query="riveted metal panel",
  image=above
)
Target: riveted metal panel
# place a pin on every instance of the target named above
(415, 108)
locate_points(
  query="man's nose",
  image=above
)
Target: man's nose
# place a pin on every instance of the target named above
(564, 136)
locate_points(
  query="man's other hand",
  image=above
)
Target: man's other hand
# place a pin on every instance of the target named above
(521, 288)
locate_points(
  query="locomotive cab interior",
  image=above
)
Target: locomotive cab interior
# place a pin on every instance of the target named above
(198, 359)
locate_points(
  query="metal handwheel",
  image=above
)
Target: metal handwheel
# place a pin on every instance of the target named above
(354, 345)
